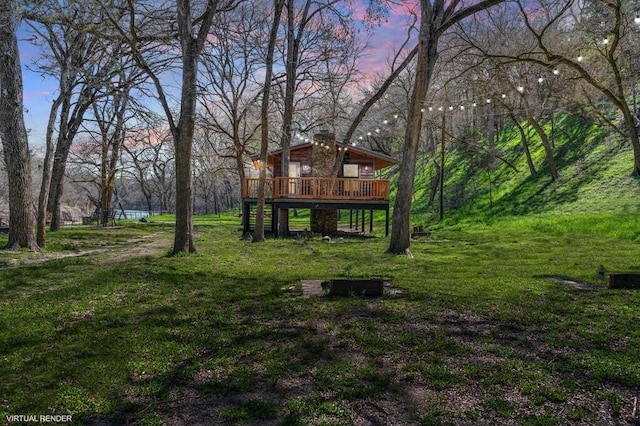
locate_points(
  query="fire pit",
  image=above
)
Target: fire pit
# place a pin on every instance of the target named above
(356, 286)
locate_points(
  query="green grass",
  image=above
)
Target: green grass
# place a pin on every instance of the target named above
(594, 166)
(479, 329)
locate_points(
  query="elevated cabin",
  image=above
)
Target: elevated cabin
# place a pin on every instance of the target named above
(309, 185)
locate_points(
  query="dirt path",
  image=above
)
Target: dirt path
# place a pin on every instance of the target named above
(156, 243)
(153, 244)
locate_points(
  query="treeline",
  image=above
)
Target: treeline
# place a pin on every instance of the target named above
(159, 104)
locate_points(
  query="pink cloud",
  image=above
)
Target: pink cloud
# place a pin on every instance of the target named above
(386, 39)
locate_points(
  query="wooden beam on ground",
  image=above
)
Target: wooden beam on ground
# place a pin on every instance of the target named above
(624, 281)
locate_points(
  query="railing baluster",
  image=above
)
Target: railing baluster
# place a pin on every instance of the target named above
(319, 188)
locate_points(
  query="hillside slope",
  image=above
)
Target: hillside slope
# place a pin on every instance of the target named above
(594, 185)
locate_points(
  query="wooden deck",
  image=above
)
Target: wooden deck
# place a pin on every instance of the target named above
(321, 189)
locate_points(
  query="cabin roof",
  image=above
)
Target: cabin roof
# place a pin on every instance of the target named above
(382, 160)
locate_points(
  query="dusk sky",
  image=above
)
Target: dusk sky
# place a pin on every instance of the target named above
(39, 91)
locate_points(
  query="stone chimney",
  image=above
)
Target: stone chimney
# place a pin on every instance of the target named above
(323, 156)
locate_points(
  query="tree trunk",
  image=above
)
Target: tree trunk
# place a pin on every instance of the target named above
(427, 56)
(112, 141)
(436, 17)
(544, 138)
(13, 133)
(183, 145)
(442, 164)
(635, 140)
(435, 183)
(183, 241)
(43, 196)
(291, 59)
(258, 232)
(70, 121)
(57, 183)
(525, 145)
(183, 134)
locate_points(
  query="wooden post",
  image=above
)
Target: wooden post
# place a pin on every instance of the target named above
(246, 217)
(275, 212)
(370, 221)
(386, 222)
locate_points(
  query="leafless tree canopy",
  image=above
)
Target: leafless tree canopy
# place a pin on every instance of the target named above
(159, 104)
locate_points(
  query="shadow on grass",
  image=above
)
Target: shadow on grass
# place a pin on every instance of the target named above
(172, 341)
(352, 361)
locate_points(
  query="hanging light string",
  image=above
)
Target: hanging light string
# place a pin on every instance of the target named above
(439, 108)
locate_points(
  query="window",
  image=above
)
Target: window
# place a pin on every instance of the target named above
(350, 171)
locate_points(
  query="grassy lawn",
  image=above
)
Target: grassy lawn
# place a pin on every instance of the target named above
(481, 330)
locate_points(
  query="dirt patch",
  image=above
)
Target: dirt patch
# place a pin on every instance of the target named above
(575, 284)
(314, 288)
(149, 245)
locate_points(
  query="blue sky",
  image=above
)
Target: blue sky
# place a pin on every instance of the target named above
(39, 91)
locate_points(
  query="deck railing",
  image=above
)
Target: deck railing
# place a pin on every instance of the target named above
(314, 188)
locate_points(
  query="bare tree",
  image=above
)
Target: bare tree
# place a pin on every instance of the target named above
(13, 132)
(232, 57)
(436, 18)
(598, 41)
(317, 33)
(107, 130)
(190, 25)
(148, 158)
(216, 187)
(82, 61)
(258, 232)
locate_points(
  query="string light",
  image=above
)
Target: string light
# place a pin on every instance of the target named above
(441, 109)
(637, 18)
(580, 58)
